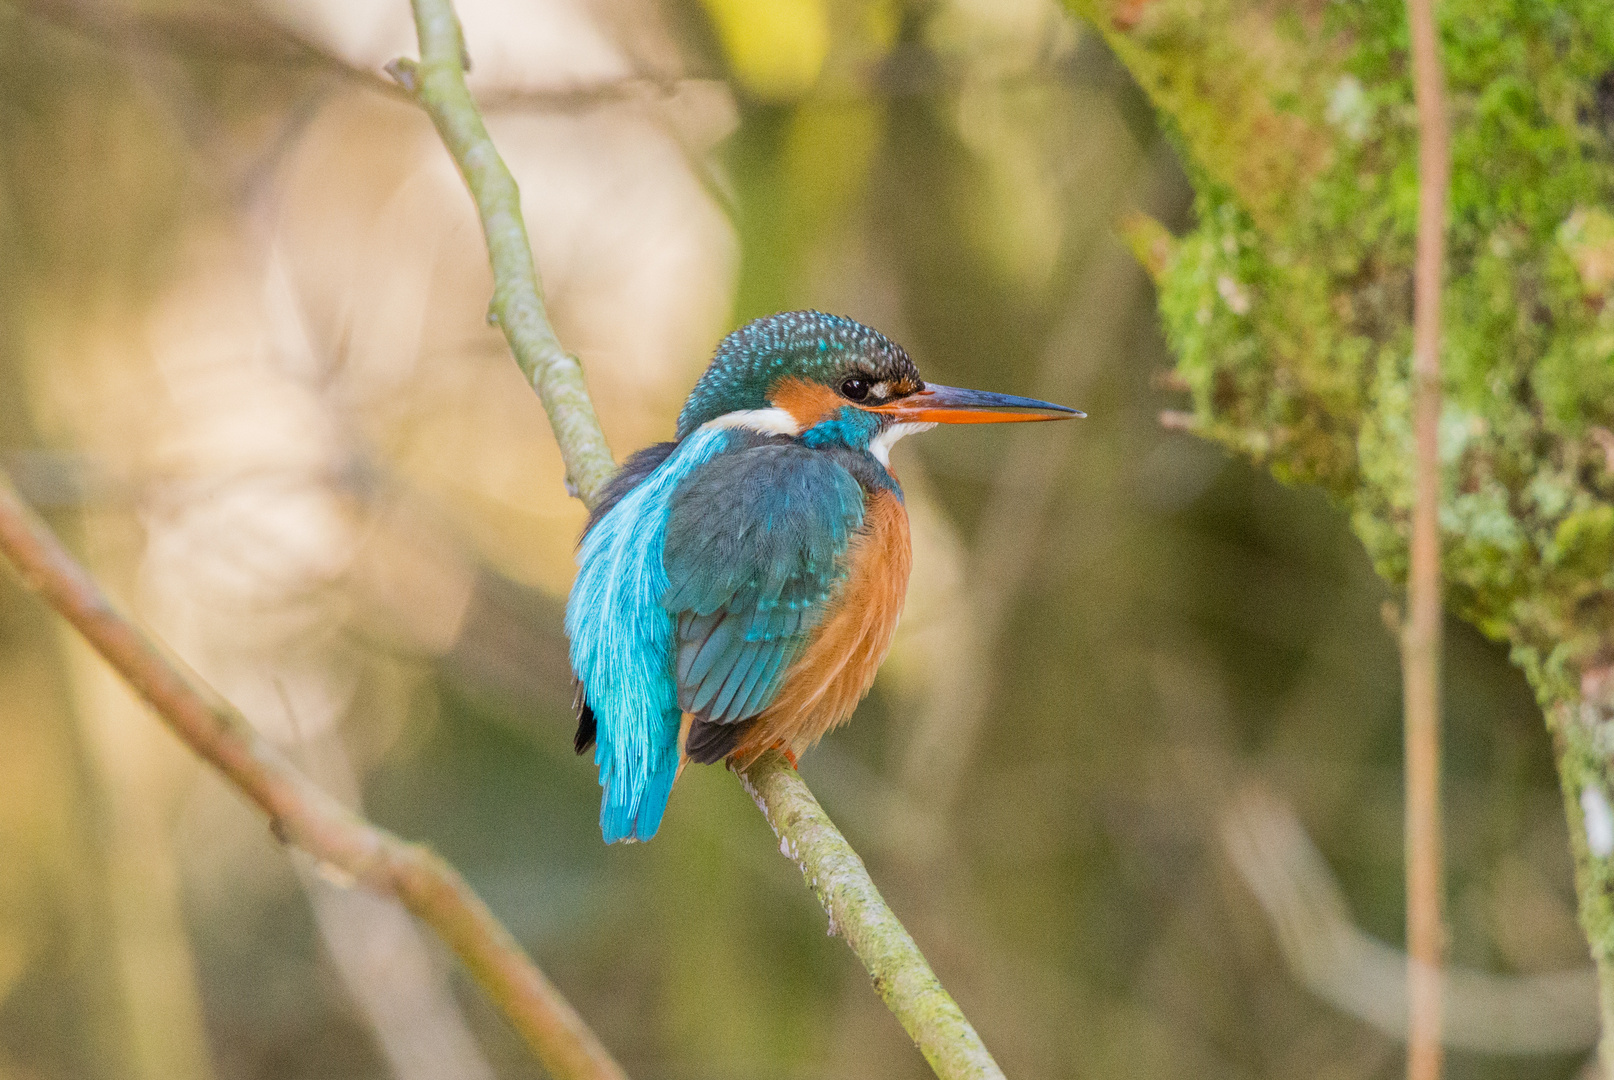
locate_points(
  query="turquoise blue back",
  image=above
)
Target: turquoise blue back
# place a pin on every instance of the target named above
(621, 642)
(696, 591)
(701, 585)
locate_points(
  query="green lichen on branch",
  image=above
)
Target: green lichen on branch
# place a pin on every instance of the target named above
(835, 873)
(1583, 734)
(1241, 87)
(1289, 304)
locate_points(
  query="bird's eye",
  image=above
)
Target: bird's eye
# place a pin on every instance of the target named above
(855, 388)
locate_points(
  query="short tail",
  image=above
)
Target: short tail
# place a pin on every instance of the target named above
(634, 799)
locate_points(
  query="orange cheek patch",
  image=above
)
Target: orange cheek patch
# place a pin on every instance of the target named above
(808, 402)
(829, 678)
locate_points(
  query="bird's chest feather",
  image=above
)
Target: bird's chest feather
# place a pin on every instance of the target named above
(829, 678)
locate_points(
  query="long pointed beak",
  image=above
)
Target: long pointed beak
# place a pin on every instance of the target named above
(953, 405)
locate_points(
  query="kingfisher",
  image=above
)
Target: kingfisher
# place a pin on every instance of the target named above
(739, 586)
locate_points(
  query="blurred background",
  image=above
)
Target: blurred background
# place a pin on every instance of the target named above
(1131, 776)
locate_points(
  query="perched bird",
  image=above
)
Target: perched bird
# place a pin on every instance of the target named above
(739, 586)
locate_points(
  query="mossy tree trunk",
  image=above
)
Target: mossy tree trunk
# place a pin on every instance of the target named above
(1290, 310)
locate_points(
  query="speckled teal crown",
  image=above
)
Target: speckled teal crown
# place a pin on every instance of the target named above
(806, 344)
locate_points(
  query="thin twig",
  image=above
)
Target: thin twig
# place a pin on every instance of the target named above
(234, 35)
(302, 813)
(438, 84)
(901, 975)
(1420, 640)
(841, 882)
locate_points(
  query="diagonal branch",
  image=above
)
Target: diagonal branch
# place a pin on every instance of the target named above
(836, 874)
(302, 813)
(517, 307)
(901, 975)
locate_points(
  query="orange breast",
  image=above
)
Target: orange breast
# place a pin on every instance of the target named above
(826, 682)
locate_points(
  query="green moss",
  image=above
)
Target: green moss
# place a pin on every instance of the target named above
(1289, 307)
(1583, 543)
(1238, 85)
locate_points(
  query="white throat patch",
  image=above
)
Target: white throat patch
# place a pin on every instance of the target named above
(880, 446)
(769, 421)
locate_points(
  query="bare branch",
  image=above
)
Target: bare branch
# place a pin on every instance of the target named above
(857, 911)
(300, 812)
(1420, 641)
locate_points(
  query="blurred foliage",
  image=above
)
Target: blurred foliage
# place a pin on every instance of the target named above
(1149, 625)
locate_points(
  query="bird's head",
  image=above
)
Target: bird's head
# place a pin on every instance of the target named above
(832, 381)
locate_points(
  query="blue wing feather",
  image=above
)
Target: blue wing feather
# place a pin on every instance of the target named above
(754, 549)
(761, 685)
(704, 575)
(622, 642)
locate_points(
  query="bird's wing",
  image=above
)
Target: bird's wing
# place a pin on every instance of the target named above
(755, 547)
(631, 475)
